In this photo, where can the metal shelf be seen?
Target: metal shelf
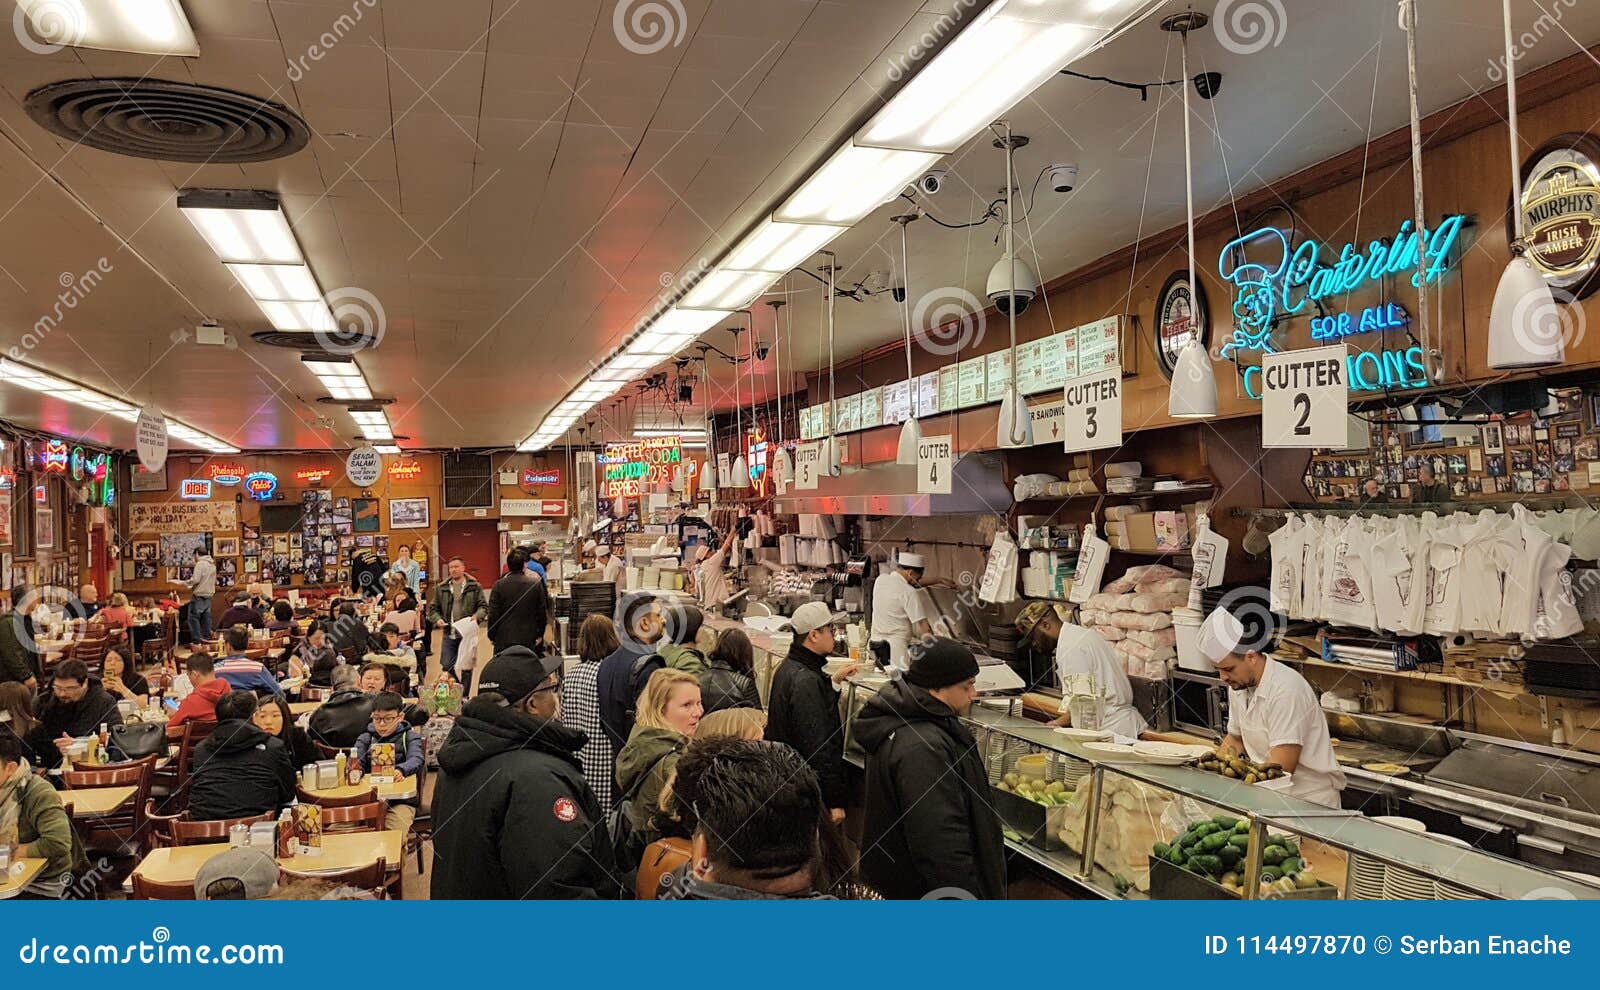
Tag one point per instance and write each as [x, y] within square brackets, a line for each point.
[1534, 504]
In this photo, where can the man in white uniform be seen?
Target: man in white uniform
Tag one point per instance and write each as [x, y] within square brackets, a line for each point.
[612, 566]
[897, 613]
[710, 573]
[1084, 651]
[1273, 713]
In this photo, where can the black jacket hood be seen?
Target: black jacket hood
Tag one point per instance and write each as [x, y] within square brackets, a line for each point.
[487, 728]
[236, 736]
[895, 705]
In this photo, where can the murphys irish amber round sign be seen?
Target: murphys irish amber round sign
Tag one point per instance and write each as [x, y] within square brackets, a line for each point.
[1561, 212]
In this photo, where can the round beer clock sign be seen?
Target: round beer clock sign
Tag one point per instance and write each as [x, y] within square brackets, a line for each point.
[1561, 212]
[1181, 316]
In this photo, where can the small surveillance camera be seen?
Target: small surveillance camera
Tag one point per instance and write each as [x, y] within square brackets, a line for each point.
[1064, 177]
[1208, 84]
[762, 350]
[898, 292]
[931, 183]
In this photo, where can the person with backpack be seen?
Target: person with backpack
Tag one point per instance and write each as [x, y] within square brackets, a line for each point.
[623, 674]
[515, 819]
[669, 711]
[677, 645]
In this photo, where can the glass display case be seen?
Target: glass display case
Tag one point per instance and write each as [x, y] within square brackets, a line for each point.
[1110, 827]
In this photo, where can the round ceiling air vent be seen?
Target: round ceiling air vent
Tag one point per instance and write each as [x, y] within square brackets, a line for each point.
[294, 340]
[168, 121]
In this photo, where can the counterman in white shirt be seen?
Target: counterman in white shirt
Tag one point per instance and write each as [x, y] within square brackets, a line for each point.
[897, 613]
[710, 571]
[1084, 651]
[1273, 713]
[612, 567]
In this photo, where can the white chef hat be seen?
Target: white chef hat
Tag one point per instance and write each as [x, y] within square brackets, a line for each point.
[604, 550]
[589, 546]
[1220, 635]
[702, 552]
[912, 560]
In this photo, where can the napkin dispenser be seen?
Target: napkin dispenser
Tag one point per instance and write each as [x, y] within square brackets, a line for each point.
[328, 774]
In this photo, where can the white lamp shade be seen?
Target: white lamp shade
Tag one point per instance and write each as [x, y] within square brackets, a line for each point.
[1016, 425]
[680, 478]
[708, 476]
[1194, 384]
[831, 457]
[782, 467]
[910, 437]
[1526, 329]
[740, 472]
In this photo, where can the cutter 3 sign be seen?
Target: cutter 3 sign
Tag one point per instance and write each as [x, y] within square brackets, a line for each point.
[633, 468]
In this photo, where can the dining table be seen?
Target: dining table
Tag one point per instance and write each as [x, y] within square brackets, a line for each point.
[340, 851]
[20, 874]
[388, 790]
[97, 802]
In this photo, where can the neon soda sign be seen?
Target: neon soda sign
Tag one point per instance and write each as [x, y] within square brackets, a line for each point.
[630, 468]
[1265, 294]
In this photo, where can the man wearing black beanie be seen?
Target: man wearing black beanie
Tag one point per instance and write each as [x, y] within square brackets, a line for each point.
[930, 830]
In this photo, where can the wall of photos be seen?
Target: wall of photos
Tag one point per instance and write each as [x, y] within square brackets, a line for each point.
[1526, 454]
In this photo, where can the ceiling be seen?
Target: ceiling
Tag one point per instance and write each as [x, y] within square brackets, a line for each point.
[517, 189]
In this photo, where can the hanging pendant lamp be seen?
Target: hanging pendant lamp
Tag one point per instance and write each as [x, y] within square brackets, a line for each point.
[1194, 380]
[911, 430]
[1016, 425]
[741, 467]
[780, 464]
[831, 458]
[1525, 326]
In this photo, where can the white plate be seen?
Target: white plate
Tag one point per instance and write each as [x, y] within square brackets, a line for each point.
[1112, 751]
[1089, 735]
[1396, 821]
[1167, 751]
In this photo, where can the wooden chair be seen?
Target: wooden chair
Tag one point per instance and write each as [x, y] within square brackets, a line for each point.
[325, 751]
[186, 832]
[90, 651]
[158, 827]
[312, 693]
[125, 827]
[351, 655]
[306, 797]
[373, 877]
[155, 650]
[175, 778]
[355, 818]
[156, 890]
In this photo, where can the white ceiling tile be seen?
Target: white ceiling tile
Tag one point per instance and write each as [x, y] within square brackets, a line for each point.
[458, 26]
[435, 82]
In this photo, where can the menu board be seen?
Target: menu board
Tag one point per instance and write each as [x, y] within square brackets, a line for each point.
[896, 403]
[973, 376]
[821, 423]
[949, 388]
[871, 408]
[998, 375]
[1029, 371]
[1097, 346]
[849, 414]
[928, 394]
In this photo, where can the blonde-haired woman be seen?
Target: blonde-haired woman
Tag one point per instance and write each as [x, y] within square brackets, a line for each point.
[669, 712]
[732, 723]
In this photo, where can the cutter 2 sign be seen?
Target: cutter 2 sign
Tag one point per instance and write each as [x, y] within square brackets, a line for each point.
[1305, 398]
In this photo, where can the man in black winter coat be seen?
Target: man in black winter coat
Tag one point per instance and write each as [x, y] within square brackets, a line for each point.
[929, 826]
[76, 707]
[516, 821]
[519, 607]
[803, 704]
[239, 770]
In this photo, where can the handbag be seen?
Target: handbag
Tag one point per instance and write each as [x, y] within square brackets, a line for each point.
[662, 858]
[136, 740]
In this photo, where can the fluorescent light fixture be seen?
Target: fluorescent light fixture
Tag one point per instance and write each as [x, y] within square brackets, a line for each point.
[386, 448]
[284, 315]
[97, 401]
[327, 367]
[291, 282]
[853, 183]
[148, 27]
[242, 226]
[685, 433]
[778, 247]
[347, 388]
[669, 332]
[987, 69]
[626, 366]
[727, 289]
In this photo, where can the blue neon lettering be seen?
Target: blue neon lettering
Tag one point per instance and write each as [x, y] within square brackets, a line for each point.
[1368, 371]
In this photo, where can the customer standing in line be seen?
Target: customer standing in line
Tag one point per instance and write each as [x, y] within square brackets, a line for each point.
[515, 819]
[623, 674]
[669, 711]
[456, 598]
[803, 706]
[580, 705]
[1428, 489]
[729, 678]
[202, 585]
[519, 607]
[930, 828]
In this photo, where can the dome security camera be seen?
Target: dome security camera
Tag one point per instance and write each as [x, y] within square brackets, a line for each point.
[1064, 177]
[1014, 289]
[931, 183]
[762, 350]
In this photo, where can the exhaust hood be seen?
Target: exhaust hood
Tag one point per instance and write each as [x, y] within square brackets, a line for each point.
[977, 484]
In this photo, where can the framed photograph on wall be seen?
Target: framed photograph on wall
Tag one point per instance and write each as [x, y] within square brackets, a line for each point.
[366, 515]
[141, 480]
[44, 528]
[1493, 439]
[408, 513]
[144, 550]
[227, 546]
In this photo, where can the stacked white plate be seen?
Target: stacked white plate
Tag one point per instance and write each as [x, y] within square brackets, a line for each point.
[1366, 879]
[1068, 769]
[1112, 752]
[1168, 754]
[1400, 884]
[1450, 892]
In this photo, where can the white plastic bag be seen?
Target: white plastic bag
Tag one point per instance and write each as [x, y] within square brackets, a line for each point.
[999, 583]
[1210, 553]
[1092, 556]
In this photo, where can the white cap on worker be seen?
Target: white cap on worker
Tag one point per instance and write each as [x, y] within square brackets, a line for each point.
[912, 560]
[810, 616]
[1220, 635]
[589, 546]
[604, 550]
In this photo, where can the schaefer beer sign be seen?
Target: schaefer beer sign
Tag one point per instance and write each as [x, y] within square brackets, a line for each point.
[1561, 213]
